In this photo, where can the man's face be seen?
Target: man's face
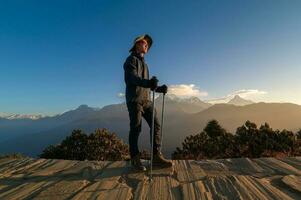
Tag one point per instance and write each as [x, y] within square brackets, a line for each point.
[142, 46]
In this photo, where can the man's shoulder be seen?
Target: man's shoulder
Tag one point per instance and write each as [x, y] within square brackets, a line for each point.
[132, 59]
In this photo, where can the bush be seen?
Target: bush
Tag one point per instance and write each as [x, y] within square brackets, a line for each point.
[249, 141]
[212, 142]
[100, 145]
[13, 155]
[299, 134]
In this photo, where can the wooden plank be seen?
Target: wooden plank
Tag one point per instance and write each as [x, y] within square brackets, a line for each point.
[188, 170]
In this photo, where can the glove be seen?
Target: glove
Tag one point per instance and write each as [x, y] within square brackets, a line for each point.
[162, 89]
[153, 82]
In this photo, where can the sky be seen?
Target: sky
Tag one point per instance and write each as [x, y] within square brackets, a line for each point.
[56, 55]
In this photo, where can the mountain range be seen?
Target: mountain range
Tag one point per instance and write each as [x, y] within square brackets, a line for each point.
[20, 116]
[183, 117]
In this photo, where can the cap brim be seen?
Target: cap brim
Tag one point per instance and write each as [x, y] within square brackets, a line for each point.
[144, 37]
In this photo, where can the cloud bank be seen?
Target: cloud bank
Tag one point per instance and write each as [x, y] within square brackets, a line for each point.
[191, 90]
[184, 90]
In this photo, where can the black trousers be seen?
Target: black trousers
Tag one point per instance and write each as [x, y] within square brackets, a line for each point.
[136, 112]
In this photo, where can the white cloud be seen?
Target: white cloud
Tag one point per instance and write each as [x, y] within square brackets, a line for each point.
[250, 94]
[184, 90]
[121, 95]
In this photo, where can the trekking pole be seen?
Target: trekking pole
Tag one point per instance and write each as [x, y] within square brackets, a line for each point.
[162, 121]
[152, 137]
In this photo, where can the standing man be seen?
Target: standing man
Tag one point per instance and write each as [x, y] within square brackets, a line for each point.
[138, 86]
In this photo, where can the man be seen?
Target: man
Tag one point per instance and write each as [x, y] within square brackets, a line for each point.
[138, 86]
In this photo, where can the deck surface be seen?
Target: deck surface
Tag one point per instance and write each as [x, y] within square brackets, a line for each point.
[241, 178]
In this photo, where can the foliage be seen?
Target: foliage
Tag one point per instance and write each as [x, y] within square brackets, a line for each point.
[100, 145]
[299, 134]
[13, 155]
[249, 141]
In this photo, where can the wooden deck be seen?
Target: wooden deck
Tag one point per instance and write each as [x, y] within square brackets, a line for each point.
[242, 178]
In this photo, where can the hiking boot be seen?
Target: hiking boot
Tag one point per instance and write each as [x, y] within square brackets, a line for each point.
[136, 163]
[160, 161]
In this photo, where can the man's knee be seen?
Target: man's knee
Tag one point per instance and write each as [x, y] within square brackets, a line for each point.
[157, 123]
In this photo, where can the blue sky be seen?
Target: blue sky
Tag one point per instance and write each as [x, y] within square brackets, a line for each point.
[56, 55]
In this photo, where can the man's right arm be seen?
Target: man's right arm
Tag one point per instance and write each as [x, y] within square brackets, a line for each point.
[131, 74]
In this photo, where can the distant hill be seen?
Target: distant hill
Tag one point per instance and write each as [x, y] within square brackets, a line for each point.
[182, 118]
[278, 115]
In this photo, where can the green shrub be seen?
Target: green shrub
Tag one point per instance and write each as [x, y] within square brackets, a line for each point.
[100, 145]
[249, 141]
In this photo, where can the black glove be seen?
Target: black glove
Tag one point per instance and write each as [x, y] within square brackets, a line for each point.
[153, 82]
[162, 89]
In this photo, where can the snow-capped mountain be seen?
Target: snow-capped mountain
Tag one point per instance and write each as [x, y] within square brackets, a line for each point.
[81, 110]
[233, 100]
[238, 101]
[21, 116]
[188, 105]
[194, 100]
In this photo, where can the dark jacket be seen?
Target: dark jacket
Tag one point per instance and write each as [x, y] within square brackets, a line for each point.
[136, 77]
